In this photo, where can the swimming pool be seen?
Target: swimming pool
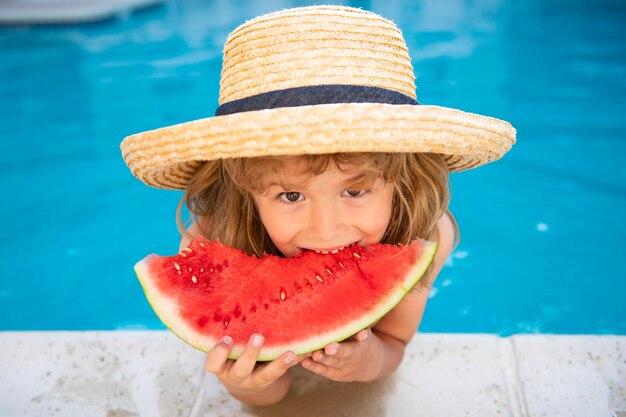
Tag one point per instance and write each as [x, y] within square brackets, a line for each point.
[541, 228]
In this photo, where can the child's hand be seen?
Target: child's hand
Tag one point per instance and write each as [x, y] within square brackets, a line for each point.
[350, 360]
[243, 376]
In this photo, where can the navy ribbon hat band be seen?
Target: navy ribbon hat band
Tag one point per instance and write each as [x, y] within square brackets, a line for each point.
[312, 95]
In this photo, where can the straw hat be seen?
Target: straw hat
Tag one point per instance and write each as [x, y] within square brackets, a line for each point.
[315, 80]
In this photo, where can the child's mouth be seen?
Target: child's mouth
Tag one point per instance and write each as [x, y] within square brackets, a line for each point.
[329, 250]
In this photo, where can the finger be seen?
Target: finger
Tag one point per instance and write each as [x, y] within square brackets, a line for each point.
[244, 365]
[343, 350]
[302, 357]
[318, 368]
[217, 358]
[273, 370]
[334, 354]
[323, 355]
[363, 335]
[317, 355]
[332, 349]
[331, 361]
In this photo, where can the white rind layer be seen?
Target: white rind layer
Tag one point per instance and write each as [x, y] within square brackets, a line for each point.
[166, 311]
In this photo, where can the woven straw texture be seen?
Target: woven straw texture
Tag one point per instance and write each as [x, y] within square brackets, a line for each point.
[315, 46]
[309, 46]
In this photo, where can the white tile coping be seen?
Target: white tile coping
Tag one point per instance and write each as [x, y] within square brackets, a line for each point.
[65, 11]
[153, 373]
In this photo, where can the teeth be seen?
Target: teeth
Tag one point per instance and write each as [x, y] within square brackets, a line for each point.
[323, 252]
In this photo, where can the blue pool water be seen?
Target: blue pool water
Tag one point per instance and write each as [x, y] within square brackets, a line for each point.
[541, 229]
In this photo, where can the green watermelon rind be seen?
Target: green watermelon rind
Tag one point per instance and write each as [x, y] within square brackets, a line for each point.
[166, 311]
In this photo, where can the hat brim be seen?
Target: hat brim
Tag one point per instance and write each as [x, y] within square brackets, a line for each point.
[168, 157]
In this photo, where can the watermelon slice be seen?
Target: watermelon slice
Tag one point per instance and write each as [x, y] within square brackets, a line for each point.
[301, 304]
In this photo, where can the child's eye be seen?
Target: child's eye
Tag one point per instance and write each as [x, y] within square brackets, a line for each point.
[290, 197]
[355, 193]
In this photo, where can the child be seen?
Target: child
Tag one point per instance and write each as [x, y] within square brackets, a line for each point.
[319, 143]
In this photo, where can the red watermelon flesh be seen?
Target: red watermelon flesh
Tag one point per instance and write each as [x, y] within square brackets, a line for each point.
[301, 303]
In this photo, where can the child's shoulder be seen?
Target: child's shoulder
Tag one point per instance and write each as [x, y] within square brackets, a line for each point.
[445, 224]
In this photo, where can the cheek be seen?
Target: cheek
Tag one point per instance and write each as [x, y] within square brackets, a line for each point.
[280, 229]
[377, 224]
[377, 219]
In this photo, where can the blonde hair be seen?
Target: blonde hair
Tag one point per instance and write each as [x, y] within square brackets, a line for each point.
[220, 195]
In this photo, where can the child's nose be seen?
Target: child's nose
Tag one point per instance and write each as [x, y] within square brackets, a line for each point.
[326, 221]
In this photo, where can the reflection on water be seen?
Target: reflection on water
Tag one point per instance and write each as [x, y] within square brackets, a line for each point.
[540, 229]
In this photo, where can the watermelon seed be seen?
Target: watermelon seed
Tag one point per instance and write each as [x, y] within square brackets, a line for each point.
[177, 266]
[341, 264]
[194, 279]
[183, 254]
[201, 244]
[188, 250]
[328, 270]
[201, 269]
[283, 296]
[189, 269]
[319, 278]
[356, 255]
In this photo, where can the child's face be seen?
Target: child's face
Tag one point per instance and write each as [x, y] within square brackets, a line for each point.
[326, 215]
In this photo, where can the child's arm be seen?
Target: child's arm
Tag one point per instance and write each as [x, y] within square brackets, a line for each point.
[374, 354]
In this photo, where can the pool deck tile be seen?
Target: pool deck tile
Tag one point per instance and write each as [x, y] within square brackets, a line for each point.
[153, 373]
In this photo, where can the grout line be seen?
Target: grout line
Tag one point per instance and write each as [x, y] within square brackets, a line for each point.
[514, 384]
